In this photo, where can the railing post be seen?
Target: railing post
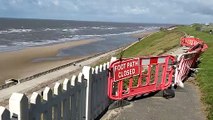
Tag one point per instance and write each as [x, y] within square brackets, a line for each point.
[57, 108]
[82, 96]
[35, 102]
[113, 59]
[4, 114]
[18, 106]
[47, 98]
[67, 109]
[87, 72]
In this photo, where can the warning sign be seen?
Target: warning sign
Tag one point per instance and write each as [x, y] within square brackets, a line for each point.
[126, 68]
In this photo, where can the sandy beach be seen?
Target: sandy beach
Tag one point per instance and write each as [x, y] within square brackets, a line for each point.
[19, 64]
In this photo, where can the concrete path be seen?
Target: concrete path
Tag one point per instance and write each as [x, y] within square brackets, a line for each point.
[186, 105]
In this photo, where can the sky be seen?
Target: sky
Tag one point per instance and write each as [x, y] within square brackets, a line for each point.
[140, 11]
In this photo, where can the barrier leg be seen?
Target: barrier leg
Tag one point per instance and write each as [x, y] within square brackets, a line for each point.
[169, 93]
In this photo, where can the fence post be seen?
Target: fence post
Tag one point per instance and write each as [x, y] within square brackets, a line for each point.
[67, 109]
[57, 108]
[87, 71]
[105, 85]
[4, 114]
[113, 59]
[18, 106]
[82, 96]
[101, 89]
[35, 101]
[108, 63]
[47, 97]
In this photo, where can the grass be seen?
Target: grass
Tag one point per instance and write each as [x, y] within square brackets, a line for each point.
[205, 74]
[155, 44]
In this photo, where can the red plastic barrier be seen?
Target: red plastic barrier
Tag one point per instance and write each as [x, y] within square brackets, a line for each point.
[135, 76]
[193, 43]
[205, 47]
[185, 63]
[190, 41]
[197, 47]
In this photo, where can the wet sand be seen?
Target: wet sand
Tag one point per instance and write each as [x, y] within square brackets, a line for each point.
[18, 64]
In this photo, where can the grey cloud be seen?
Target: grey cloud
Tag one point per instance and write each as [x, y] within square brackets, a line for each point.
[173, 11]
[203, 7]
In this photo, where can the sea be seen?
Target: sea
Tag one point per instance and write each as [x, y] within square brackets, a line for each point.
[16, 34]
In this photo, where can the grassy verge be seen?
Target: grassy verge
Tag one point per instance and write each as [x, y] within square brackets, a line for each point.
[205, 74]
[155, 44]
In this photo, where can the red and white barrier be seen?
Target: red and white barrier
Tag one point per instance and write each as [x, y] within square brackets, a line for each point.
[185, 63]
[136, 76]
[193, 43]
[190, 41]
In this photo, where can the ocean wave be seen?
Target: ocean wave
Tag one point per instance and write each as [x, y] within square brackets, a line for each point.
[70, 30]
[76, 37]
[80, 37]
[104, 28]
[49, 29]
[24, 44]
[15, 31]
[133, 32]
[42, 42]
[3, 46]
[83, 27]
[65, 39]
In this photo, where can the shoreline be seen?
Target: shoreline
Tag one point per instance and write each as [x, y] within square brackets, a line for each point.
[18, 64]
[26, 62]
[39, 83]
[144, 34]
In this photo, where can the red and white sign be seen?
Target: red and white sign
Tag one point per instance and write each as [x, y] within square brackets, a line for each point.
[126, 68]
